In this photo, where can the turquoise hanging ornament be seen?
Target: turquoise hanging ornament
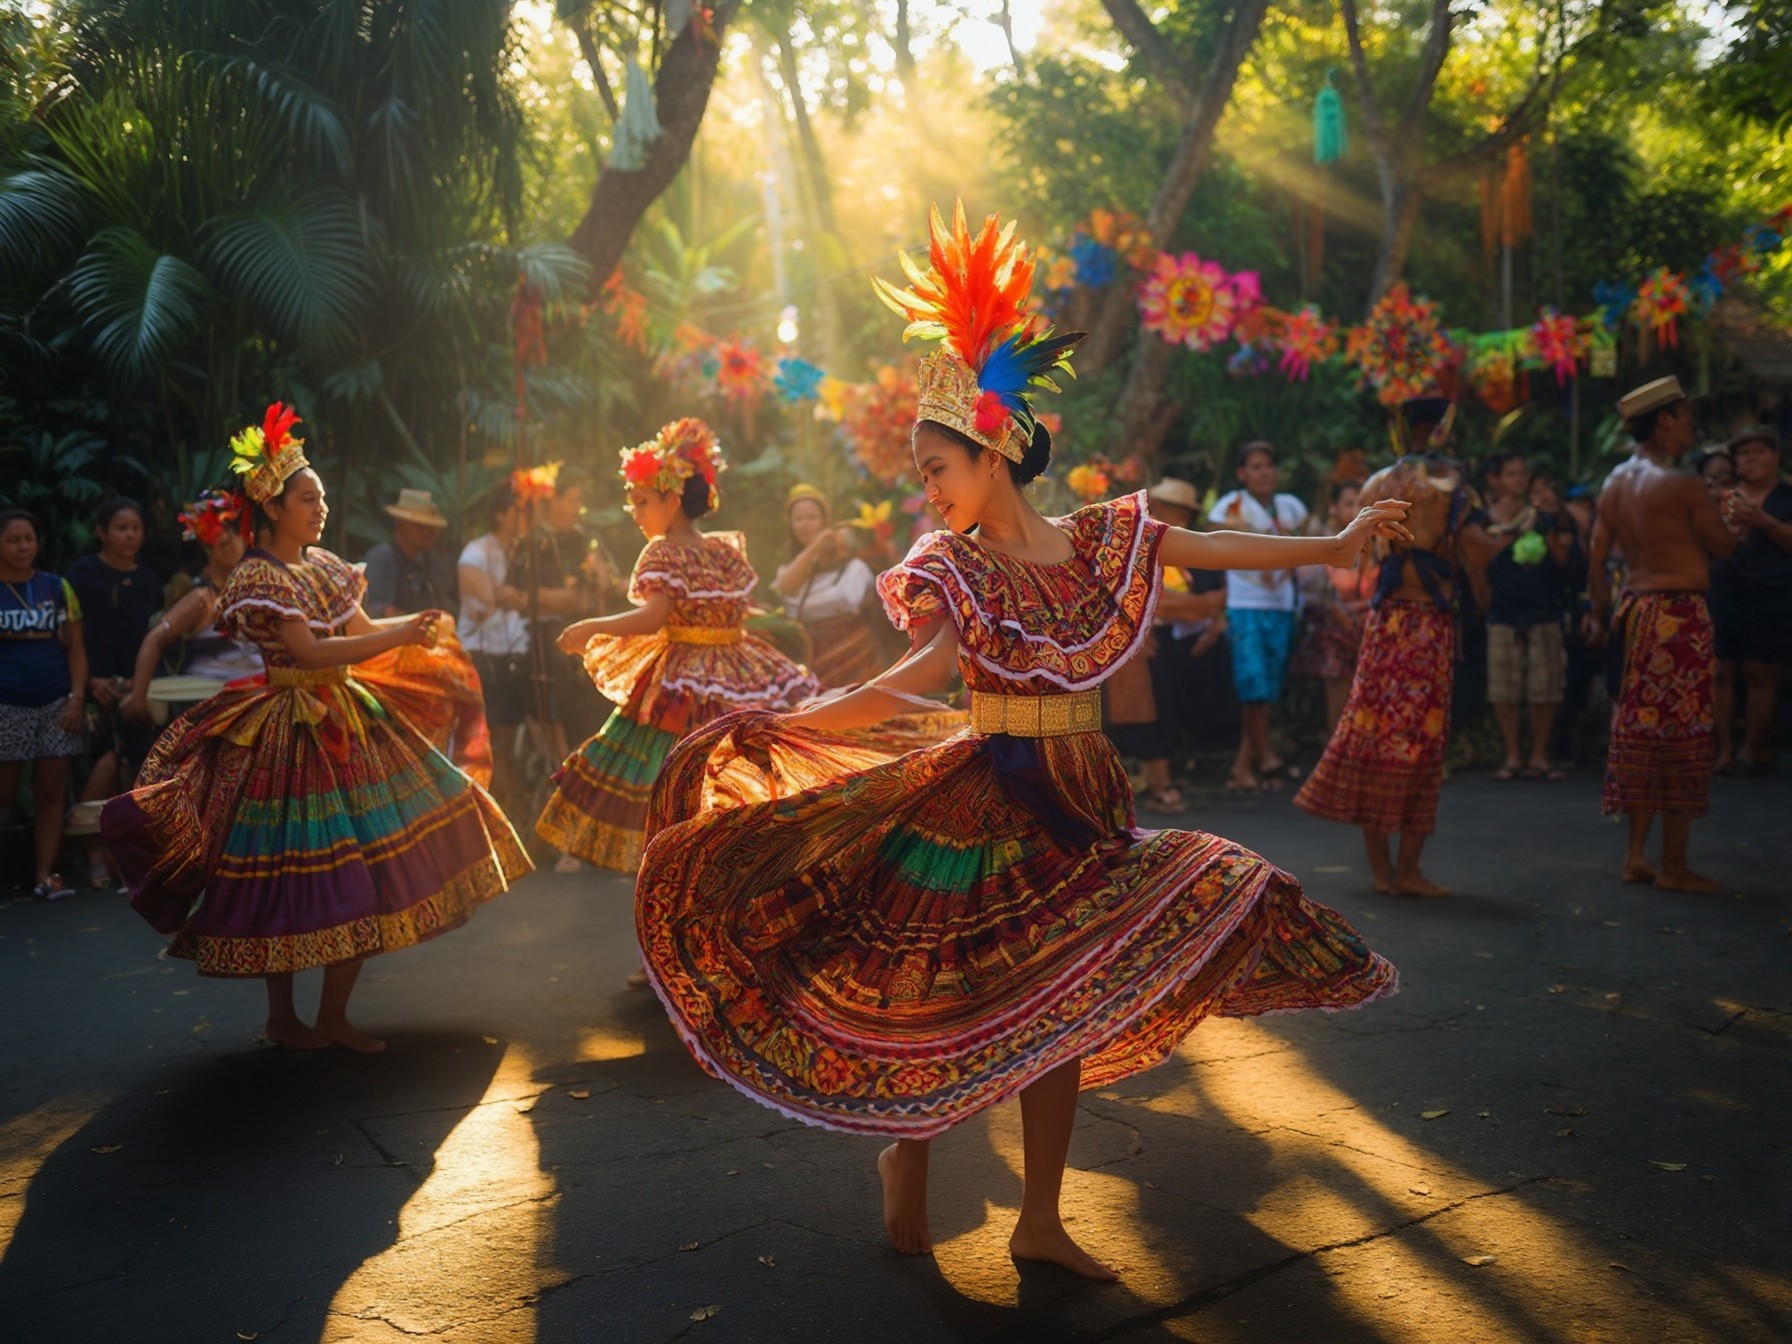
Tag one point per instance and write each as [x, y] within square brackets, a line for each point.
[1330, 138]
[639, 125]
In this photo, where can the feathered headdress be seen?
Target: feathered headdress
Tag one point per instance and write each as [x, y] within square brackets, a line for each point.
[207, 519]
[683, 449]
[973, 301]
[266, 455]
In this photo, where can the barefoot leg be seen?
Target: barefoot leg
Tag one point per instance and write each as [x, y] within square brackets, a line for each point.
[1636, 868]
[903, 1167]
[332, 1010]
[1675, 875]
[1409, 879]
[283, 1027]
[1047, 1114]
[1381, 866]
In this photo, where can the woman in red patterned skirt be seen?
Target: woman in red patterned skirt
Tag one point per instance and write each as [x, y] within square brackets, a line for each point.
[889, 950]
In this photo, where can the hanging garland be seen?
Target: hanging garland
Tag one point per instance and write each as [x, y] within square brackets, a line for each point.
[1307, 338]
[1189, 301]
[1661, 302]
[1399, 347]
[1559, 345]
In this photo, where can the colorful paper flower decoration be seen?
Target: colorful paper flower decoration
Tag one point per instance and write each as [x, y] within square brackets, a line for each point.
[1055, 271]
[1661, 301]
[534, 484]
[1557, 341]
[830, 399]
[1493, 366]
[1614, 298]
[879, 416]
[1188, 301]
[740, 372]
[1400, 348]
[207, 519]
[1091, 480]
[1096, 263]
[1125, 234]
[1307, 338]
[876, 520]
[1248, 361]
[629, 308]
[797, 380]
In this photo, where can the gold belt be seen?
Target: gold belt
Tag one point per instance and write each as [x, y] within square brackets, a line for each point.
[1036, 715]
[307, 676]
[703, 634]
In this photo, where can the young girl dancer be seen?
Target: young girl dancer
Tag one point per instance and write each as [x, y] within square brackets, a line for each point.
[892, 951]
[298, 822]
[679, 659]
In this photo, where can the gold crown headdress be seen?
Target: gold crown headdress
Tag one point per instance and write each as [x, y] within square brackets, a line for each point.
[681, 450]
[267, 455]
[973, 301]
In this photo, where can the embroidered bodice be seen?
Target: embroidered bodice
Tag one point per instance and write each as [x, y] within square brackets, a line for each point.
[1030, 628]
[710, 585]
[322, 590]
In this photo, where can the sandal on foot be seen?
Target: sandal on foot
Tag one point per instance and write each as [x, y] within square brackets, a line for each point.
[1506, 774]
[53, 890]
[1162, 800]
[1237, 785]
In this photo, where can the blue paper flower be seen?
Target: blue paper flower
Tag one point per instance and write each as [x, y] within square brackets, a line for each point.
[797, 380]
[1706, 288]
[1096, 263]
[1615, 297]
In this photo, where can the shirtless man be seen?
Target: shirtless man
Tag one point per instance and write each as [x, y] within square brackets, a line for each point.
[1383, 768]
[1669, 530]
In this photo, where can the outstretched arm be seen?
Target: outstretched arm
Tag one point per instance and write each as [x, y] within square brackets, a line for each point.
[183, 619]
[931, 666]
[646, 619]
[1253, 550]
[314, 653]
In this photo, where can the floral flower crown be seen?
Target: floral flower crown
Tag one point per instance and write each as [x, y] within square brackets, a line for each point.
[683, 449]
[268, 454]
[208, 518]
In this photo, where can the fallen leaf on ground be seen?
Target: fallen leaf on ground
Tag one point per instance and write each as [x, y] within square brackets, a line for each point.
[1613, 997]
[1433, 1115]
[1617, 1264]
[524, 1107]
[767, 1261]
[338, 1161]
[1566, 1110]
[1612, 923]
[489, 1040]
[580, 1094]
[704, 1313]
[1479, 1260]
[248, 1336]
[690, 1246]
[1563, 1133]
[201, 1027]
[1485, 1115]
[1668, 1166]
[104, 1148]
[735, 1172]
[1419, 1189]
[1556, 989]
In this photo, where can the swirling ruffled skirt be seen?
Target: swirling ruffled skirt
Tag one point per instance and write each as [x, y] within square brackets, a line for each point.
[886, 947]
[277, 828]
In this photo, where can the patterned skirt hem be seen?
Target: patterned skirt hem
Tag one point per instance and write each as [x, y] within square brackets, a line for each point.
[1656, 778]
[1374, 795]
[596, 842]
[446, 910]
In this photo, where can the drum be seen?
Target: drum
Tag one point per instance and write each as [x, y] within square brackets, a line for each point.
[169, 695]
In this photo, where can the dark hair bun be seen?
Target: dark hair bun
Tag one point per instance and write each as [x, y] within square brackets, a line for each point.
[1037, 457]
[694, 499]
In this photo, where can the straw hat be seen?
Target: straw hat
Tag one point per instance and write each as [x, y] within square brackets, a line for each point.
[803, 490]
[1650, 397]
[416, 506]
[1179, 493]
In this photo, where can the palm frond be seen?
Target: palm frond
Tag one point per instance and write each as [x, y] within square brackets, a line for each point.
[299, 263]
[137, 304]
[42, 219]
[307, 115]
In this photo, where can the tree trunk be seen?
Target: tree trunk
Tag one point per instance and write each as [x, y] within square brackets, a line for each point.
[814, 165]
[905, 58]
[1144, 413]
[1400, 215]
[1193, 150]
[620, 199]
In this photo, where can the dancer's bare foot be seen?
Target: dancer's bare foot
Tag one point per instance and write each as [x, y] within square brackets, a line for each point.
[1053, 1244]
[294, 1035]
[349, 1036]
[637, 979]
[1686, 880]
[568, 863]
[1417, 884]
[905, 1202]
[1382, 883]
[1637, 870]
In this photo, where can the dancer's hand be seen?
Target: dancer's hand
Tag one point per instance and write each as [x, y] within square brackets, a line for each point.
[575, 637]
[421, 629]
[1385, 519]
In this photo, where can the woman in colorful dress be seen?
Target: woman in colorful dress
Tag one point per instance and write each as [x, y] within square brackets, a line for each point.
[825, 586]
[679, 659]
[298, 822]
[892, 950]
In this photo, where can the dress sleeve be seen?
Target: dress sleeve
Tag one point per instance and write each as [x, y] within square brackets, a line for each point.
[919, 590]
[655, 572]
[257, 598]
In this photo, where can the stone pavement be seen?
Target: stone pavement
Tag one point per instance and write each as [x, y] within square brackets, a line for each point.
[1571, 1125]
